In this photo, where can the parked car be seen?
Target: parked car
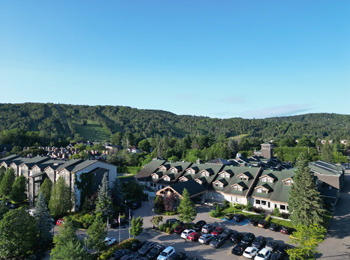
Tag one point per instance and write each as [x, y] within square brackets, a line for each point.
[285, 230]
[60, 222]
[178, 256]
[254, 221]
[259, 242]
[280, 252]
[236, 237]
[136, 205]
[155, 251]
[207, 228]
[110, 241]
[120, 253]
[250, 252]
[127, 257]
[137, 245]
[262, 223]
[217, 241]
[238, 217]
[186, 233]
[166, 253]
[229, 216]
[263, 254]
[248, 239]
[194, 236]
[238, 249]
[180, 228]
[273, 227]
[205, 238]
[146, 248]
[217, 231]
[198, 226]
[172, 221]
[271, 245]
[227, 233]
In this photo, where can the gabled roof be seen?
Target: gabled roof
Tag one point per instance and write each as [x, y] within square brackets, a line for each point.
[149, 168]
[270, 176]
[219, 161]
[324, 168]
[193, 188]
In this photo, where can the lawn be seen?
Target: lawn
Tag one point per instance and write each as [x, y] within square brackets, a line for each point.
[92, 131]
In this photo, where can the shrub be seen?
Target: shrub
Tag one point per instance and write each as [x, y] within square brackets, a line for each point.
[170, 213]
[218, 209]
[277, 212]
[88, 220]
[214, 214]
[249, 206]
[258, 210]
[168, 230]
[225, 204]
[126, 244]
[175, 225]
[285, 215]
[163, 227]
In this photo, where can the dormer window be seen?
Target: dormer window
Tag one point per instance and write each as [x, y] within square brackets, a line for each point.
[263, 189]
[205, 173]
[218, 184]
[166, 178]
[199, 181]
[191, 171]
[237, 187]
[243, 177]
[163, 168]
[183, 179]
[174, 170]
[155, 176]
[287, 182]
[225, 175]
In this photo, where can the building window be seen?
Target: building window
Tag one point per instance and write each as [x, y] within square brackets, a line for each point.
[283, 207]
[263, 202]
[257, 202]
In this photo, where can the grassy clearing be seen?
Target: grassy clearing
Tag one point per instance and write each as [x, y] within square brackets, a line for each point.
[92, 131]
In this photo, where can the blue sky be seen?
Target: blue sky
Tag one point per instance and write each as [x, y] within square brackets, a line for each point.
[250, 59]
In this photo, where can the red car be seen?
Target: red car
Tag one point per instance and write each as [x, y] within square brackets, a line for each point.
[60, 222]
[194, 236]
[285, 230]
[217, 231]
[179, 229]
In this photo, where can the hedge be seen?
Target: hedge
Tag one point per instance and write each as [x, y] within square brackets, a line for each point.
[126, 244]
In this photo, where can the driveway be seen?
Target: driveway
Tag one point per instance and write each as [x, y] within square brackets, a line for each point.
[337, 243]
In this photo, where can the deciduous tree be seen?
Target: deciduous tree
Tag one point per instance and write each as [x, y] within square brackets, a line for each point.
[18, 233]
[136, 226]
[62, 198]
[96, 234]
[307, 239]
[46, 188]
[7, 182]
[19, 187]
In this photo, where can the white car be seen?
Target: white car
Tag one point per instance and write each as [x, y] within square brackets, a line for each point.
[110, 241]
[186, 233]
[250, 252]
[263, 254]
[166, 253]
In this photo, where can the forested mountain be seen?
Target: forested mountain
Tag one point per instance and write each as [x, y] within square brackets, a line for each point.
[57, 122]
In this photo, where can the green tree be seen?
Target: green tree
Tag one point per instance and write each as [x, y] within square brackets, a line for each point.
[104, 200]
[18, 233]
[156, 220]
[43, 220]
[136, 226]
[144, 145]
[46, 188]
[305, 203]
[117, 138]
[186, 209]
[2, 173]
[7, 182]
[16, 149]
[62, 198]
[327, 154]
[19, 187]
[307, 239]
[67, 244]
[96, 234]
[117, 193]
[3, 208]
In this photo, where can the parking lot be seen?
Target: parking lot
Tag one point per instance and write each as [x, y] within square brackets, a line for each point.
[195, 248]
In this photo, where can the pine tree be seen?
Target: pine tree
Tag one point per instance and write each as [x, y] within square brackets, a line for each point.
[17, 233]
[186, 209]
[305, 203]
[96, 234]
[62, 198]
[7, 182]
[2, 172]
[104, 200]
[67, 244]
[117, 194]
[46, 188]
[43, 220]
[19, 187]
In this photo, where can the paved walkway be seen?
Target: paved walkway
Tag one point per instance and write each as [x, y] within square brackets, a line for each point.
[337, 243]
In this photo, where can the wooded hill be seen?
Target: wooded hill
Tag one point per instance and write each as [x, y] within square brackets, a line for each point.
[97, 123]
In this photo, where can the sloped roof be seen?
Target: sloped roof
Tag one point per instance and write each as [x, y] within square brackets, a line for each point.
[149, 168]
[326, 168]
[192, 187]
[219, 161]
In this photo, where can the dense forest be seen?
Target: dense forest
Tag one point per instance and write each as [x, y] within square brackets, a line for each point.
[52, 123]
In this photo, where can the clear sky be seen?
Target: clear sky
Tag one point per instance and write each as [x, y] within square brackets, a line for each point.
[227, 58]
